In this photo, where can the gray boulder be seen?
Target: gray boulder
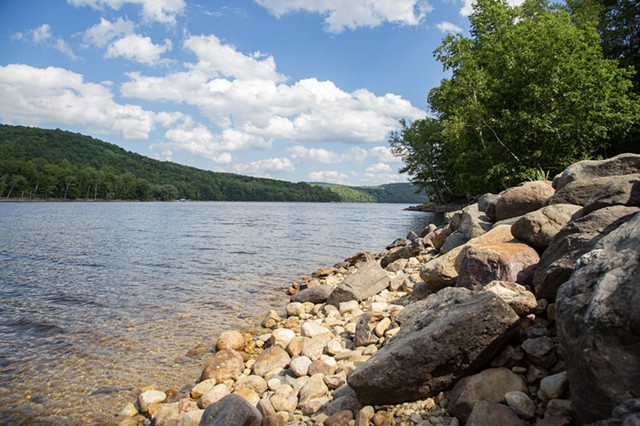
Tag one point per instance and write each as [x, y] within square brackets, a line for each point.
[367, 281]
[473, 222]
[618, 191]
[599, 324]
[539, 227]
[487, 204]
[577, 238]
[231, 410]
[457, 333]
[491, 414]
[316, 294]
[625, 414]
[622, 164]
[454, 240]
[522, 199]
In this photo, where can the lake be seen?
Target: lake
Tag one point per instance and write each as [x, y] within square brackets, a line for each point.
[99, 299]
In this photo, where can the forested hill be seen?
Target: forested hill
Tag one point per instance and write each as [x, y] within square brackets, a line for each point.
[43, 164]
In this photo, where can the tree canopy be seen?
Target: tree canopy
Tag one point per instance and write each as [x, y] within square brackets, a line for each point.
[529, 93]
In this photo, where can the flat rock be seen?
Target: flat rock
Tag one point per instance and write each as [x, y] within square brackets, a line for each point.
[311, 329]
[539, 227]
[223, 366]
[622, 164]
[522, 199]
[316, 294]
[598, 323]
[370, 279]
[458, 331]
[489, 385]
[231, 410]
[273, 358]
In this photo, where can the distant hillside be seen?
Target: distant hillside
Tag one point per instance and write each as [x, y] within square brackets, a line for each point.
[389, 193]
[39, 163]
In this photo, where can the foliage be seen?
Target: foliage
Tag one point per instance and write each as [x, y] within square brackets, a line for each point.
[529, 93]
[39, 163]
[390, 193]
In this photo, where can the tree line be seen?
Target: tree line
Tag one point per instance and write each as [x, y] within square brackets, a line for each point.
[534, 89]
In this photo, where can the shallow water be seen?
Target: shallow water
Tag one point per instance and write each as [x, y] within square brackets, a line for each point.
[99, 299]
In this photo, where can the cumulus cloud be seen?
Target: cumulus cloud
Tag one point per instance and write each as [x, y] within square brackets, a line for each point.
[43, 37]
[448, 27]
[266, 167]
[139, 49]
[341, 15]
[384, 154]
[382, 173]
[328, 176]
[162, 11]
[325, 156]
[36, 96]
[106, 31]
[468, 5]
[246, 93]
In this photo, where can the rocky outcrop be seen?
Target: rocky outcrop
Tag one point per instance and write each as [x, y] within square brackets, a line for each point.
[622, 164]
[599, 323]
[439, 347]
[369, 280]
[520, 200]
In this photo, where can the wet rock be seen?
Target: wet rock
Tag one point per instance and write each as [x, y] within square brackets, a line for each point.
[522, 301]
[273, 358]
[482, 264]
[223, 366]
[539, 227]
[145, 399]
[231, 410]
[598, 323]
[317, 294]
[367, 281]
[520, 200]
[441, 345]
[622, 164]
[128, 411]
[230, 340]
[491, 414]
[521, 404]
[489, 385]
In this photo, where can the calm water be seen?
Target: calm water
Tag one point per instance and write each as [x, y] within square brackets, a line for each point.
[99, 299]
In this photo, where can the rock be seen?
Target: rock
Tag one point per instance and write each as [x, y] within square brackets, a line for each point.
[618, 191]
[281, 337]
[521, 404]
[622, 164]
[382, 327]
[273, 420]
[413, 249]
[273, 358]
[314, 347]
[555, 421]
[365, 415]
[454, 240]
[441, 345]
[540, 351]
[312, 329]
[231, 410]
[421, 290]
[491, 414]
[255, 383]
[539, 227]
[348, 306]
[281, 403]
[577, 238]
[295, 309]
[266, 408]
[347, 402]
[317, 294]
[129, 410]
[190, 418]
[213, 395]
[230, 340]
[271, 319]
[522, 301]
[482, 264]
[397, 266]
[441, 272]
[489, 385]
[367, 281]
[365, 328]
[322, 367]
[145, 399]
[202, 387]
[300, 365]
[598, 322]
[437, 237]
[487, 204]
[553, 387]
[249, 395]
[334, 347]
[223, 366]
[473, 222]
[313, 395]
[559, 408]
[522, 199]
[341, 418]
[295, 346]
[626, 414]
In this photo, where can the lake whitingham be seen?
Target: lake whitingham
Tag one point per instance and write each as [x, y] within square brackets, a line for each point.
[100, 299]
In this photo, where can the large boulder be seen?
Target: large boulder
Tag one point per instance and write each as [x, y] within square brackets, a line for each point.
[622, 164]
[599, 324]
[491, 414]
[600, 192]
[231, 410]
[223, 366]
[367, 281]
[458, 332]
[577, 238]
[487, 204]
[316, 294]
[484, 263]
[539, 227]
[474, 222]
[522, 199]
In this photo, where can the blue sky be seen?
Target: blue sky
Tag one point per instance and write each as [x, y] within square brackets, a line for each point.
[300, 90]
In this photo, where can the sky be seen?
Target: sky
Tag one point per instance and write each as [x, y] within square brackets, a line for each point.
[298, 90]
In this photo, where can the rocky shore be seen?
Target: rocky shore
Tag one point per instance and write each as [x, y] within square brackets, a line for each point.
[521, 310]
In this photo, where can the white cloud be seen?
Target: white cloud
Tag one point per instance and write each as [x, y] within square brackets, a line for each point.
[468, 5]
[138, 48]
[247, 94]
[341, 14]
[384, 154]
[103, 33]
[380, 173]
[265, 167]
[36, 96]
[41, 34]
[162, 11]
[324, 156]
[43, 37]
[448, 27]
[328, 176]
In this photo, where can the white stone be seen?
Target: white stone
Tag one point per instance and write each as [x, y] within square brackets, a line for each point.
[311, 329]
[128, 411]
[349, 306]
[334, 347]
[214, 394]
[202, 387]
[282, 337]
[150, 397]
[190, 418]
[300, 365]
[379, 306]
[382, 327]
[281, 403]
[295, 309]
